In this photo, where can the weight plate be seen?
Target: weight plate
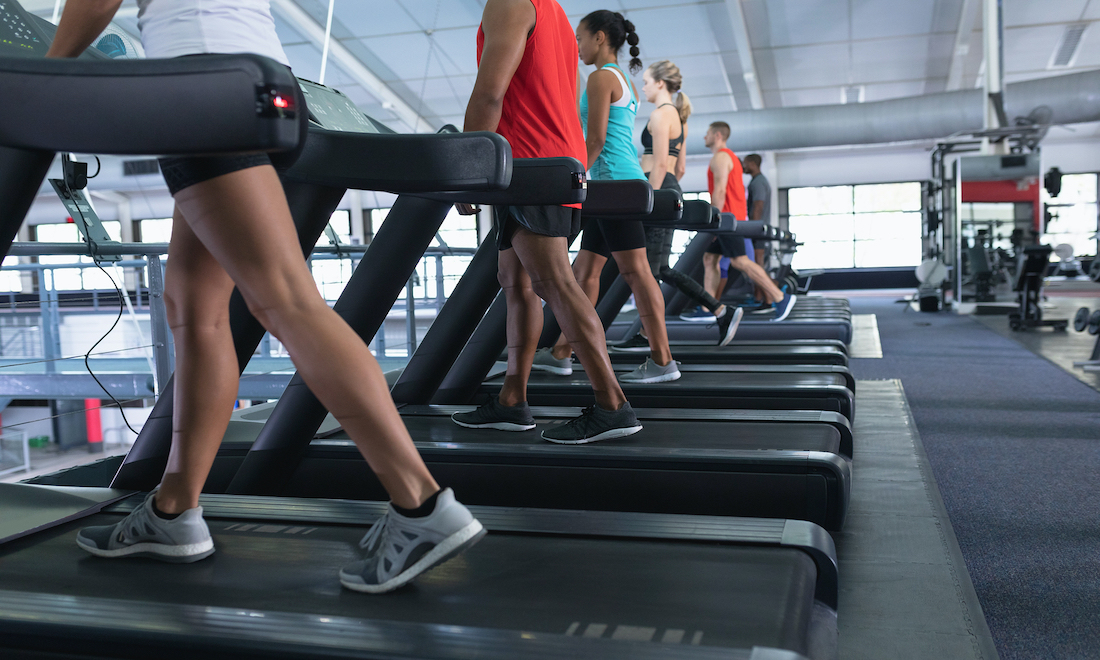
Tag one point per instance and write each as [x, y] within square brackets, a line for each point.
[1094, 323]
[1081, 319]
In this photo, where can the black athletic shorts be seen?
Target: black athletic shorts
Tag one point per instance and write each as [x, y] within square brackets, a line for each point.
[730, 246]
[606, 236]
[545, 220]
[658, 240]
[759, 244]
[180, 173]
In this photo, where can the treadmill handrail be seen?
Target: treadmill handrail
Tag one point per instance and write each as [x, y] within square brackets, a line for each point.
[205, 104]
[666, 206]
[535, 182]
[405, 163]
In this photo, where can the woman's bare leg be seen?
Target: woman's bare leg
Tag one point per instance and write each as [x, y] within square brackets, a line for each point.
[243, 220]
[196, 294]
[712, 274]
[634, 268]
[759, 277]
[586, 268]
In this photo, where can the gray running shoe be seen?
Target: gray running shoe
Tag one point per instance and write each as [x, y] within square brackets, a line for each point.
[651, 372]
[595, 424]
[728, 323]
[400, 548]
[493, 415]
[545, 361]
[181, 540]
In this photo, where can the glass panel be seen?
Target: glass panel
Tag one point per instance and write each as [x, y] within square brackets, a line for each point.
[824, 254]
[1076, 189]
[156, 231]
[820, 201]
[887, 197]
[888, 252]
[888, 225]
[459, 231]
[10, 280]
[810, 228]
[989, 211]
[341, 224]
[1075, 225]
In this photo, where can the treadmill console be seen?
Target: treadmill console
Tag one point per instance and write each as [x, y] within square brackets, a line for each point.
[333, 110]
[20, 36]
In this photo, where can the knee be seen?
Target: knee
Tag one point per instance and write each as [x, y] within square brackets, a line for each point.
[742, 263]
[710, 259]
[186, 307]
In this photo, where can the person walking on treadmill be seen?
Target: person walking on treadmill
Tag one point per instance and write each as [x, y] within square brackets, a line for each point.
[727, 192]
[758, 203]
[526, 90]
[608, 108]
[664, 159]
[232, 226]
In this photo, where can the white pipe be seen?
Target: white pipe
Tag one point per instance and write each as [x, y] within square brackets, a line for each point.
[328, 40]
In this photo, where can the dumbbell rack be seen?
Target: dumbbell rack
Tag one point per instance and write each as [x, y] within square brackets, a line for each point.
[1085, 321]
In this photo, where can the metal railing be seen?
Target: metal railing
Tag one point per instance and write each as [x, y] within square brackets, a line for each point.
[30, 324]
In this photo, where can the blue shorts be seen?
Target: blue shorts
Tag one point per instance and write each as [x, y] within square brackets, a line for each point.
[724, 266]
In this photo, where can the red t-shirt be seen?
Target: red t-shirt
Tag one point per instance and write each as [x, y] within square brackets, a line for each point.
[539, 114]
[735, 189]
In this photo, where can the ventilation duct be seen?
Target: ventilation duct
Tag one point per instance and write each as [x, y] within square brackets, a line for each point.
[1066, 51]
[1072, 99]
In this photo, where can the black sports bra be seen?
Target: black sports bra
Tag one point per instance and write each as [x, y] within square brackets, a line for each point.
[673, 145]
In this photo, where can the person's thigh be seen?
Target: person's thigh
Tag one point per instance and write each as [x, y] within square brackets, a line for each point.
[731, 246]
[588, 265]
[593, 240]
[243, 220]
[196, 287]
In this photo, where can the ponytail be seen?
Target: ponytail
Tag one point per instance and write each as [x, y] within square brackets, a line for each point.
[683, 106]
[619, 31]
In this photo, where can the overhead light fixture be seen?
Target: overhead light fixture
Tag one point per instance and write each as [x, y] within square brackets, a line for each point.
[1065, 53]
[852, 94]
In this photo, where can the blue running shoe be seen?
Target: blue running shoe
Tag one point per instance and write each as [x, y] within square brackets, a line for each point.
[698, 315]
[783, 307]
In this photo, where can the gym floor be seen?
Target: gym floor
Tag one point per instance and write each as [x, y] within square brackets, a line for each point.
[1013, 440]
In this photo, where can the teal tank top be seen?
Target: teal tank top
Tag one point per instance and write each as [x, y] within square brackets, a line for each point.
[619, 158]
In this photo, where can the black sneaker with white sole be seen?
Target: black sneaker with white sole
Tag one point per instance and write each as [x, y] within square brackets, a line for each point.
[636, 344]
[595, 424]
[728, 323]
[493, 415]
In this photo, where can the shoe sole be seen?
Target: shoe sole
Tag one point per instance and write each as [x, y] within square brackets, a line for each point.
[732, 330]
[789, 308]
[499, 426]
[175, 554]
[699, 319]
[448, 548]
[557, 371]
[663, 378]
[606, 435]
[630, 349]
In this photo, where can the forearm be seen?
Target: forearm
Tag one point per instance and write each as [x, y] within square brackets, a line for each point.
[595, 148]
[758, 211]
[718, 199]
[482, 114]
[81, 22]
[657, 174]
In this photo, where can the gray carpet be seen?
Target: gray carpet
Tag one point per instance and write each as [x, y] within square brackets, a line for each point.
[1014, 443]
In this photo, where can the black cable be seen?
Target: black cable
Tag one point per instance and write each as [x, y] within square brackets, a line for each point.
[98, 167]
[95, 259]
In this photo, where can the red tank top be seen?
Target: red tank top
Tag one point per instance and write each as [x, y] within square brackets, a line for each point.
[735, 189]
[539, 114]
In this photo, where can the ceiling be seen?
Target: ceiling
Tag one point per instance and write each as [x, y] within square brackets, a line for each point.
[411, 63]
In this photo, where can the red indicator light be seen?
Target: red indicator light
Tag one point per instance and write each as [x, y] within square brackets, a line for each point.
[280, 102]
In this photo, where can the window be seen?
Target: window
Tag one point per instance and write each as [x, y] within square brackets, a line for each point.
[861, 226]
[1073, 214]
[75, 279]
[158, 230]
[11, 280]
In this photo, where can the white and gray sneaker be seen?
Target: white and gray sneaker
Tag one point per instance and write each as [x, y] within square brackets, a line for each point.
[181, 540]
[545, 361]
[399, 548]
[651, 372]
[595, 424]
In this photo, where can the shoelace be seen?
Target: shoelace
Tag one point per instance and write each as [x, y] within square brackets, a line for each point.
[375, 532]
[581, 424]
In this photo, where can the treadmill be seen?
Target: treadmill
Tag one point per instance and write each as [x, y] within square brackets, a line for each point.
[743, 588]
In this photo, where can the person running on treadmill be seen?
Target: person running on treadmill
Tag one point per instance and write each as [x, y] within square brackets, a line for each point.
[526, 90]
[232, 226]
[608, 108]
[665, 160]
[727, 192]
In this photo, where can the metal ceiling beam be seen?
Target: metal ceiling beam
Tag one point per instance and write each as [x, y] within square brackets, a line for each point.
[744, 52]
[352, 65]
[967, 16]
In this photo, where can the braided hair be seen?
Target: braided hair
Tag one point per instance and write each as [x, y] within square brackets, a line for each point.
[619, 31]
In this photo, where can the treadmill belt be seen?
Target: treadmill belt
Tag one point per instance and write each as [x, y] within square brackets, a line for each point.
[660, 591]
